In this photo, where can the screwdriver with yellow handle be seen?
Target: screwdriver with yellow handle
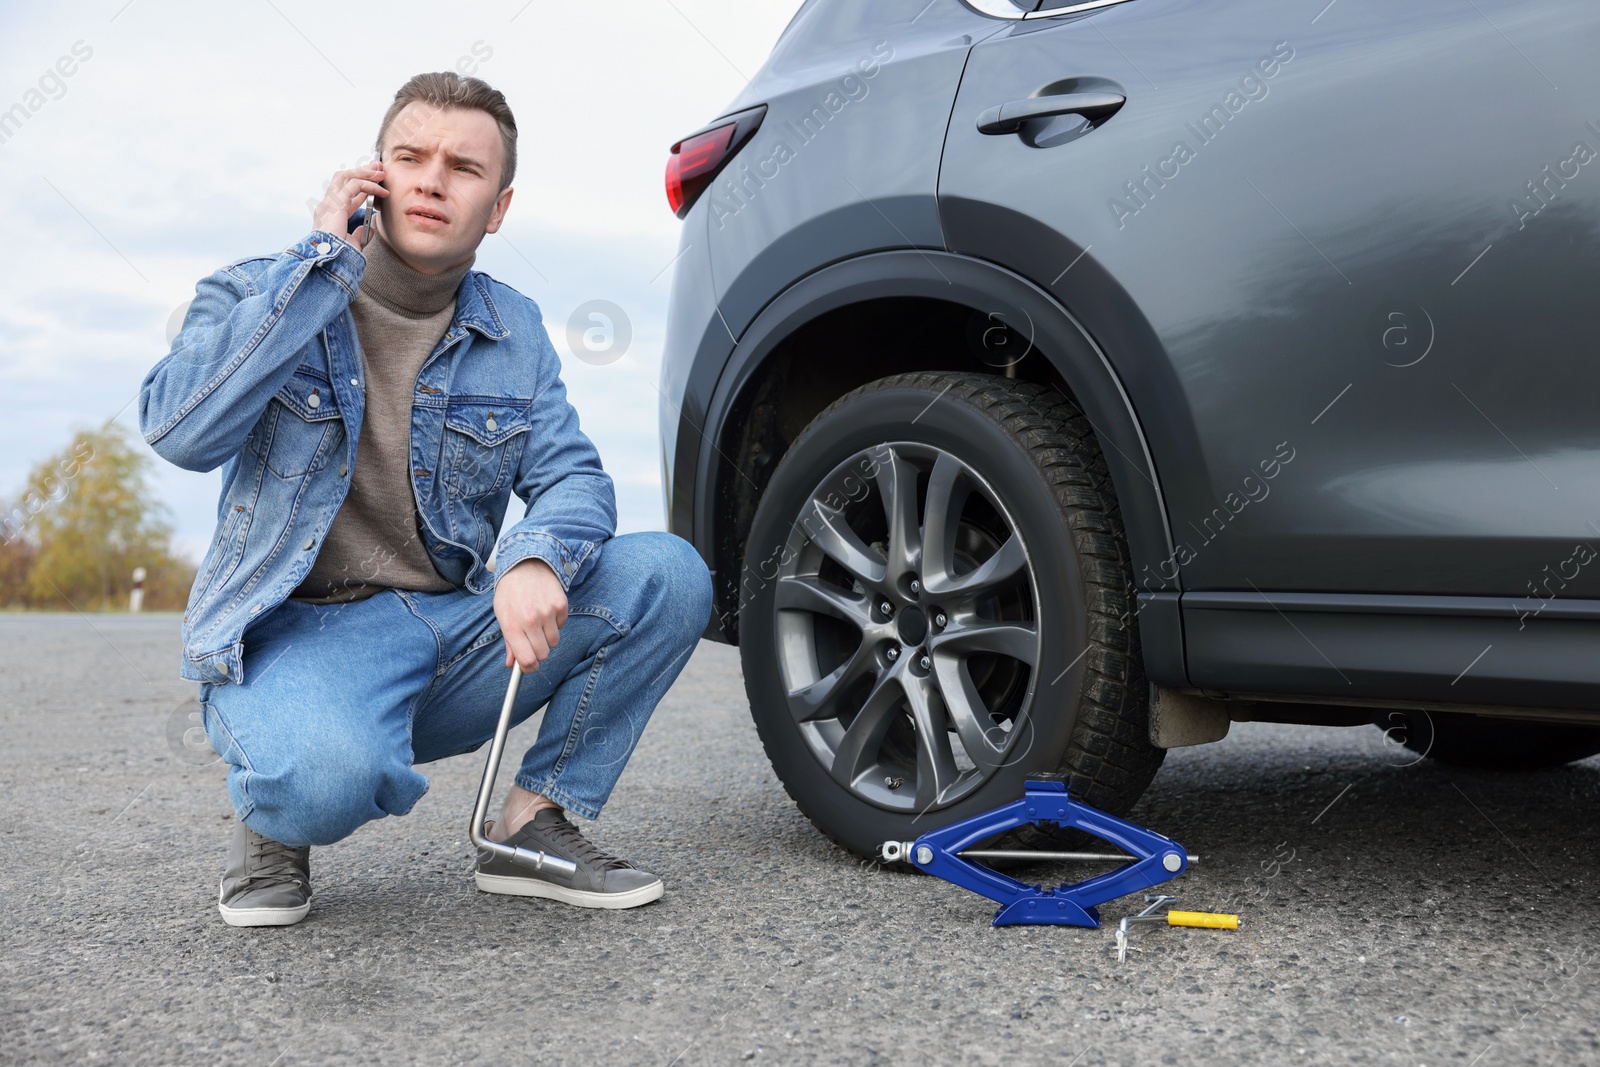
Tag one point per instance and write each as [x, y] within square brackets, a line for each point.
[1206, 920]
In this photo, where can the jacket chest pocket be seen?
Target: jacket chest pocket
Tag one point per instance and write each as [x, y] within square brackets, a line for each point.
[302, 426]
[483, 442]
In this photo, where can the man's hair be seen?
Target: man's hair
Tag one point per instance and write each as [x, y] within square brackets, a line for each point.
[447, 89]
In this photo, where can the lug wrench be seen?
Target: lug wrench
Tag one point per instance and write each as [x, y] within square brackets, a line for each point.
[1205, 920]
[534, 858]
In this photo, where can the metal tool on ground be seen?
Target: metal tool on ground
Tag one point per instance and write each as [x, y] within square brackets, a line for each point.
[1207, 920]
[527, 857]
[948, 853]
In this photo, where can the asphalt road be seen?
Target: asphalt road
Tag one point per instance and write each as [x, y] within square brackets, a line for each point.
[1393, 913]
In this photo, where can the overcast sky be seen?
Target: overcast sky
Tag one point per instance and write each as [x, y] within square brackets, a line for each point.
[190, 135]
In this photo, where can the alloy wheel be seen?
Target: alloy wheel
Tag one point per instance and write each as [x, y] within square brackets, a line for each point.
[906, 630]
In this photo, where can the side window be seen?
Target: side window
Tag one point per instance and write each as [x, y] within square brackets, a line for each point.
[1002, 9]
[1066, 7]
[1033, 9]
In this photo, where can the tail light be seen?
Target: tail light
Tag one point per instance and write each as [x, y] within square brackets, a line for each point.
[696, 160]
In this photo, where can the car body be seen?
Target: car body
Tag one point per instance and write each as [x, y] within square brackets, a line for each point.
[1320, 283]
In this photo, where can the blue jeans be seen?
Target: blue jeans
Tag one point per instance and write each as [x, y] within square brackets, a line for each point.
[340, 700]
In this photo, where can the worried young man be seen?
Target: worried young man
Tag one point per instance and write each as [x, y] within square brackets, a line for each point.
[373, 402]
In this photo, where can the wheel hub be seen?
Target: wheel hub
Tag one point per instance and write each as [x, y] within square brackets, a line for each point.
[912, 623]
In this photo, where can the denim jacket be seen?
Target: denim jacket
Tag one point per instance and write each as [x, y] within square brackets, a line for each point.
[264, 380]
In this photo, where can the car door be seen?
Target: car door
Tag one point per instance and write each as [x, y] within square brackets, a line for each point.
[1341, 255]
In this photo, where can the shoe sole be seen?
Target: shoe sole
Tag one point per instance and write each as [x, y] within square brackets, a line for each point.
[261, 916]
[510, 885]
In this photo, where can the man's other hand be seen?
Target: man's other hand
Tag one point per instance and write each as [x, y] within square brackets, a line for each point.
[531, 606]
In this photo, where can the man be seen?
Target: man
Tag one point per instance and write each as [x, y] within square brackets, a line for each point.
[373, 402]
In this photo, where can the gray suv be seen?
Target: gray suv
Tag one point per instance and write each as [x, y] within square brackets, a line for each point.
[1050, 384]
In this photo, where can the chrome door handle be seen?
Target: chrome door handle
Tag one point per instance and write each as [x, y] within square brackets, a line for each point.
[1008, 118]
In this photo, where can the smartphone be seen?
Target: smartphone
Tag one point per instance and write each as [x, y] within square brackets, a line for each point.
[365, 216]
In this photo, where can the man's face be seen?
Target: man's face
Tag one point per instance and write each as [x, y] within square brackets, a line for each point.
[442, 170]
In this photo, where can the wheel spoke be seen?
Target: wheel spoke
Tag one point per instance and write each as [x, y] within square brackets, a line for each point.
[946, 497]
[936, 766]
[807, 593]
[980, 735]
[828, 530]
[858, 748]
[818, 700]
[1007, 565]
[897, 484]
[1015, 639]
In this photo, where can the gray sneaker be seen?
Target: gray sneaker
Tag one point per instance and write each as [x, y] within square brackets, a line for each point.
[266, 883]
[602, 881]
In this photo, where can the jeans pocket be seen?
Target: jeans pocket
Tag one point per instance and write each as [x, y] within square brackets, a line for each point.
[217, 732]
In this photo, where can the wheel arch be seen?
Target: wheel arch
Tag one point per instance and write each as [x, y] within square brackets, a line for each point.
[913, 310]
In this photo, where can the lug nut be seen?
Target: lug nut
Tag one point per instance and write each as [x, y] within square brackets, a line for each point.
[886, 607]
[916, 586]
[939, 619]
[925, 663]
[893, 653]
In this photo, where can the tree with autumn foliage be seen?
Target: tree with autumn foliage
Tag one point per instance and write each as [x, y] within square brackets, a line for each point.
[83, 522]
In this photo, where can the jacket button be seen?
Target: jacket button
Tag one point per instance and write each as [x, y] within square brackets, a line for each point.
[567, 568]
[255, 609]
[310, 541]
[313, 401]
[222, 667]
[344, 468]
[324, 247]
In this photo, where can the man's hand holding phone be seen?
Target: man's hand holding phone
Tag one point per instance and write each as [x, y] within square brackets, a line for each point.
[348, 190]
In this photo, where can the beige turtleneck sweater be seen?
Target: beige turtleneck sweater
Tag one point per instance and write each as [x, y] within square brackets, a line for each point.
[375, 541]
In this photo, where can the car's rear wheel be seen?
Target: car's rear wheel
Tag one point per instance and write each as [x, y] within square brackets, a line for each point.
[937, 600]
[1491, 744]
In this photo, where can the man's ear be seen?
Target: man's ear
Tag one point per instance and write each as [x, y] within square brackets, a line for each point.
[501, 203]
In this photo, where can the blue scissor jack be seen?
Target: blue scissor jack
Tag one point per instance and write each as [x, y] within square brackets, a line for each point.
[947, 853]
